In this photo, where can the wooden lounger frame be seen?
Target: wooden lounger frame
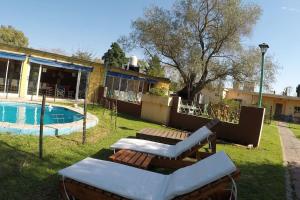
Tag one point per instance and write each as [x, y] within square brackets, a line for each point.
[217, 190]
[168, 136]
[174, 163]
[178, 162]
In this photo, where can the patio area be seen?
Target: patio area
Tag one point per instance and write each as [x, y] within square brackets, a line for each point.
[24, 176]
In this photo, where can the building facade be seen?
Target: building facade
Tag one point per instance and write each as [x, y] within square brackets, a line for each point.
[281, 107]
[26, 73]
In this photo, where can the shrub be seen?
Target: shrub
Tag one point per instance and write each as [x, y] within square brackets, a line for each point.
[158, 91]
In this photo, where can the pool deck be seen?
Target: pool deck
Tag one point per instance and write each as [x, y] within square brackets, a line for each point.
[49, 129]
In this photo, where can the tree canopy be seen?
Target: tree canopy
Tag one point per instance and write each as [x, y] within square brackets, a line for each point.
[298, 90]
[83, 55]
[249, 63]
[115, 56]
[10, 35]
[199, 38]
[155, 68]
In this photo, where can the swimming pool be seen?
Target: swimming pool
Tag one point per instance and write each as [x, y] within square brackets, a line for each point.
[26, 113]
[24, 118]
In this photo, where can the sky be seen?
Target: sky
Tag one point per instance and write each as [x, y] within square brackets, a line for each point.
[93, 25]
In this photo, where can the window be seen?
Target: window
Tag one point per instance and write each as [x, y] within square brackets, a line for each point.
[82, 84]
[9, 79]
[33, 79]
[3, 65]
[296, 109]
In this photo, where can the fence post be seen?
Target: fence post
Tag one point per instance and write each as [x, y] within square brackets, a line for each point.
[42, 126]
[55, 90]
[94, 97]
[85, 109]
[84, 121]
[271, 111]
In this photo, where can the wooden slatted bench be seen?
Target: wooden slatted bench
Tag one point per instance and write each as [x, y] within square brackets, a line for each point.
[132, 158]
[144, 160]
[163, 136]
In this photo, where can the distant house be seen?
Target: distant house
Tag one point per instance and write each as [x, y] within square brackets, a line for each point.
[283, 107]
[212, 95]
[128, 85]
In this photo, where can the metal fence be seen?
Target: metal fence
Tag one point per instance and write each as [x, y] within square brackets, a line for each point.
[268, 115]
[222, 111]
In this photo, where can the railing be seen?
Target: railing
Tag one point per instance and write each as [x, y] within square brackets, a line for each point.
[223, 112]
[128, 96]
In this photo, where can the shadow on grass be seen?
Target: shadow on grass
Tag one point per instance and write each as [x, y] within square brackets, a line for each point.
[61, 137]
[261, 181]
[103, 154]
[126, 128]
[24, 176]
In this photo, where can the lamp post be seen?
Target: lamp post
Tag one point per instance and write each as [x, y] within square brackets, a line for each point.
[263, 47]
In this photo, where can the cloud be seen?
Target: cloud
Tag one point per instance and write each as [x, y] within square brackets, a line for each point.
[294, 10]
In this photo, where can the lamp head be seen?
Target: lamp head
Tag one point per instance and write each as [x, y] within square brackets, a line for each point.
[263, 47]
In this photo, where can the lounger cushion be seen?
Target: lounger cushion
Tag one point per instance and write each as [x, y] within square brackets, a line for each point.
[145, 146]
[160, 149]
[206, 171]
[123, 180]
[134, 183]
[198, 136]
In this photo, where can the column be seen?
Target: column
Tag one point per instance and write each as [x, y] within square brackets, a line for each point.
[77, 85]
[24, 78]
[38, 81]
[5, 81]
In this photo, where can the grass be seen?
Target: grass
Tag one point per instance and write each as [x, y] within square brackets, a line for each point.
[24, 176]
[295, 128]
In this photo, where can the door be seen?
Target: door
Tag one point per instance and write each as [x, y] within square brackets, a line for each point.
[278, 109]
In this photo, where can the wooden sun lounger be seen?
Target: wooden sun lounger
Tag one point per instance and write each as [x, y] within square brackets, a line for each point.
[168, 136]
[218, 190]
[144, 160]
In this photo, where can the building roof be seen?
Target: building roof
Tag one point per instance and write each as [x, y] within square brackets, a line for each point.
[266, 94]
[133, 73]
[69, 59]
[44, 54]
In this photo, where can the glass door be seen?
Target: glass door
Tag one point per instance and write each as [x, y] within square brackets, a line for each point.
[33, 79]
[13, 76]
[3, 66]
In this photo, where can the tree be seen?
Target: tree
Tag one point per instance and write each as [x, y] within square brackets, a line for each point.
[155, 69]
[249, 61]
[298, 90]
[287, 91]
[143, 66]
[199, 38]
[83, 55]
[55, 50]
[115, 56]
[10, 35]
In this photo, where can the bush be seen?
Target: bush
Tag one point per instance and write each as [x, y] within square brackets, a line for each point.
[158, 91]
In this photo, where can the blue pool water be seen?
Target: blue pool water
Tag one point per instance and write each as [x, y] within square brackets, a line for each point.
[26, 113]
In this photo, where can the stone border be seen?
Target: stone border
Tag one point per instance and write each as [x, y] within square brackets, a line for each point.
[288, 183]
[50, 129]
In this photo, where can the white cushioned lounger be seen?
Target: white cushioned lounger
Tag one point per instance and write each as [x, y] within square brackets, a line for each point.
[160, 149]
[138, 184]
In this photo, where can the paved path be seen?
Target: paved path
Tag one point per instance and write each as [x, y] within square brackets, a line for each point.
[291, 153]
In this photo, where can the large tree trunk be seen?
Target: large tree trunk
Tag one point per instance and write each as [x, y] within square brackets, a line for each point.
[189, 94]
[183, 93]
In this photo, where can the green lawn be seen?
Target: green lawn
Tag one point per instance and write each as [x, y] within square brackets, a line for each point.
[24, 176]
[295, 128]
